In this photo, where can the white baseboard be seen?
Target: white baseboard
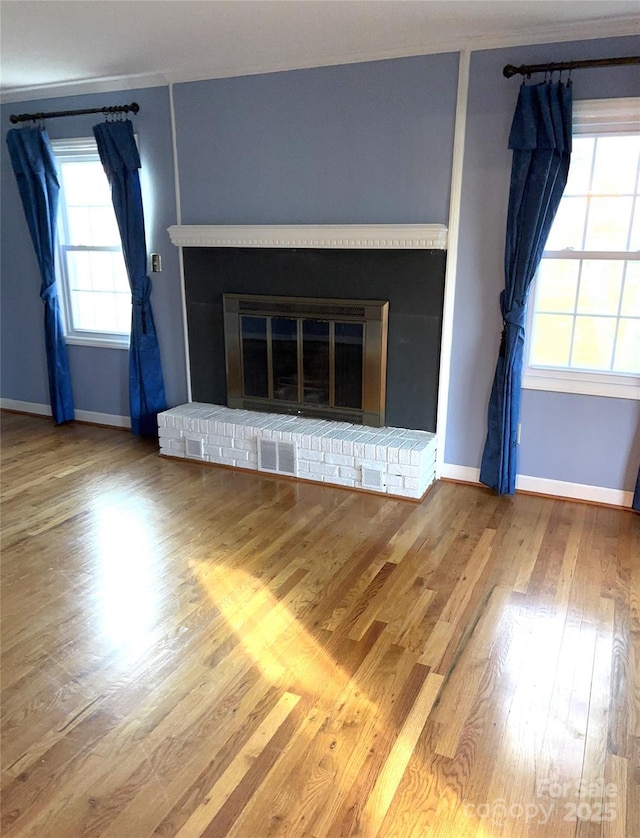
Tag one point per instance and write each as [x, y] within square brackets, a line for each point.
[91, 416]
[545, 486]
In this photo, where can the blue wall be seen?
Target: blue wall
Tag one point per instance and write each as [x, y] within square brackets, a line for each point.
[361, 143]
[581, 439]
[99, 375]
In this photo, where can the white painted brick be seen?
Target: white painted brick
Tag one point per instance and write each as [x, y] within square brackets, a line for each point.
[338, 460]
[404, 455]
[169, 433]
[370, 451]
[341, 481]
[216, 439]
[381, 453]
[367, 463]
[351, 473]
[393, 455]
[324, 468]
[404, 471]
[244, 444]
[309, 454]
[415, 456]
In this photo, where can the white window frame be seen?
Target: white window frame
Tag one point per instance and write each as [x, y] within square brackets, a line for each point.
[81, 149]
[599, 117]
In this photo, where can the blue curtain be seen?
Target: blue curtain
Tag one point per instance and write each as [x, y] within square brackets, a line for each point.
[119, 156]
[635, 503]
[541, 142]
[35, 169]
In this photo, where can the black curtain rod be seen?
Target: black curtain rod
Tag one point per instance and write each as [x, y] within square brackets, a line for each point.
[527, 70]
[134, 107]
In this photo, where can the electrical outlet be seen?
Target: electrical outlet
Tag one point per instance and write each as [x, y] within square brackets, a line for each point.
[156, 263]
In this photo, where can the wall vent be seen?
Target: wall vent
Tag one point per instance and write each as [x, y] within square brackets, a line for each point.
[194, 448]
[277, 457]
[372, 478]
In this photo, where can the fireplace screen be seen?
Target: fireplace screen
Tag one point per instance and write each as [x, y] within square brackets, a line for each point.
[316, 357]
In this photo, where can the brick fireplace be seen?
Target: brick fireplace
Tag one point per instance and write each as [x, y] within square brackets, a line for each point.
[399, 267]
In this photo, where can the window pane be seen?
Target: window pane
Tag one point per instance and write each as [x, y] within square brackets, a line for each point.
[105, 312]
[628, 347]
[608, 224]
[580, 166]
[79, 225]
[615, 165]
[631, 294]
[634, 242]
[593, 343]
[83, 311]
[104, 229]
[568, 227]
[102, 270]
[600, 286]
[79, 270]
[551, 340]
[85, 178]
[557, 284]
[123, 314]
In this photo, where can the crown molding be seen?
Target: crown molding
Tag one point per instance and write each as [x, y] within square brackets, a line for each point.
[351, 236]
[588, 30]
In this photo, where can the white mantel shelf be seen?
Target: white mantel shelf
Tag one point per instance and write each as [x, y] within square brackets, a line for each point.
[348, 236]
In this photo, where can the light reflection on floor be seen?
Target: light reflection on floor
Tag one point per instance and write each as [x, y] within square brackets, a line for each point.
[128, 597]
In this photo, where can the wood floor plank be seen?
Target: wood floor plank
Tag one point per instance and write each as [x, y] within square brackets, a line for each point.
[188, 650]
[220, 791]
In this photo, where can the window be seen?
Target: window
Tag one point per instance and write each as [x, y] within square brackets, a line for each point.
[584, 309]
[93, 280]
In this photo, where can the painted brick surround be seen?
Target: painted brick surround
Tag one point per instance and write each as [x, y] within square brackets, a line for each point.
[327, 452]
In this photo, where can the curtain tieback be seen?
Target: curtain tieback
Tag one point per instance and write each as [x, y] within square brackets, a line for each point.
[49, 294]
[514, 318]
[142, 299]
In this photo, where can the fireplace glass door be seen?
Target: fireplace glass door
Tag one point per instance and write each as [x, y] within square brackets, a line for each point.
[322, 358]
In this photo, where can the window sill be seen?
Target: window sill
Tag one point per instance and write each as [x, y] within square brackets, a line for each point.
[616, 387]
[105, 343]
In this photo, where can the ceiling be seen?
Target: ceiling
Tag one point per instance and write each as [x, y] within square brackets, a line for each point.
[54, 47]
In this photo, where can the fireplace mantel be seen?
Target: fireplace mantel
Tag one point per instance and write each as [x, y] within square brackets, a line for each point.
[347, 236]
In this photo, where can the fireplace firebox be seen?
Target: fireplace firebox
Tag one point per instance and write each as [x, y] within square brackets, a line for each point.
[309, 356]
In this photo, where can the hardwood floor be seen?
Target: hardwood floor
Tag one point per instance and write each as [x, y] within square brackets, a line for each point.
[192, 651]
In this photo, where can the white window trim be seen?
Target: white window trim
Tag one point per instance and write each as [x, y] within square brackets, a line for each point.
[601, 117]
[79, 148]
